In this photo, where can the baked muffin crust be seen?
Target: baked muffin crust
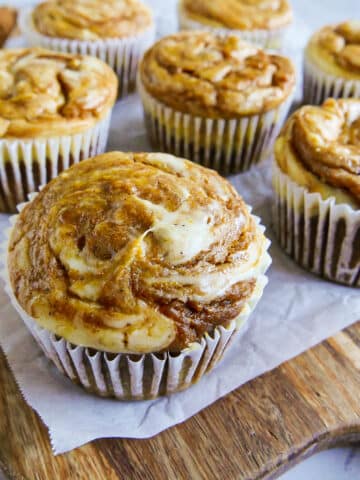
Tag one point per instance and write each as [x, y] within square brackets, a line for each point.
[239, 14]
[336, 49]
[44, 93]
[8, 17]
[91, 19]
[135, 253]
[214, 76]
[319, 148]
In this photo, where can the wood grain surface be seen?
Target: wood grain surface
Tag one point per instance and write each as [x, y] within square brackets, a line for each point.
[257, 432]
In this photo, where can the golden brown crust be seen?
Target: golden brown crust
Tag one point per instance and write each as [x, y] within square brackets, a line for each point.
[213, 76]
[240, 14]
[326, 140]
[336, 49]
[8, 18]
[45, 93]
[91, 19]
[135, 252]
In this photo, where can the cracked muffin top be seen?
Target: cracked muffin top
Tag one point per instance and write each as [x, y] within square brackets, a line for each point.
[215, 76]
[91, 19]
[319, 147]
[239, 14]
[136, 252]
[44, 93]
[336, 49]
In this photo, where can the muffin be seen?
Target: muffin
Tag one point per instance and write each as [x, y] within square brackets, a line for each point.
[332, 63]
[260, 22]
[54, 111]
[8, 18]
[316, 179]
[135, 271]
[214, 99]
[116, 31]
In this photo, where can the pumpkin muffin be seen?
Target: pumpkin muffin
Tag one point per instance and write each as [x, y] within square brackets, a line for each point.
[8, 18]
[54, 111]
[261, 22]
[332, 63]
[116, 31]
[134, 271]
[317, 189]
[214, 99]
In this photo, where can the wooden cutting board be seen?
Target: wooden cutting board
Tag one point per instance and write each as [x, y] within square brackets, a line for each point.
[257, 432]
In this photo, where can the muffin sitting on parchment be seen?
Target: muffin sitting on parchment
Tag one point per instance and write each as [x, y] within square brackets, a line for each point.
[214, 99]
[261, 22]
[332, 63]
[54, 111]
[116, 31]
[134, 271]
[316, 179]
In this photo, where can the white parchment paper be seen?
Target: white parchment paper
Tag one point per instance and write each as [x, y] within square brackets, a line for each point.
[297, 310]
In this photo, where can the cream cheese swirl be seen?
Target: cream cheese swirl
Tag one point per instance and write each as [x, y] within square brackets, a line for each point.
[44, 93]
[240, 14]
[92, 19]
[136, 253]
[214, 76]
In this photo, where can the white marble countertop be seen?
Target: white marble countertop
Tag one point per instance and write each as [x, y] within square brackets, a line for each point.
[335, 464]
[339, 463]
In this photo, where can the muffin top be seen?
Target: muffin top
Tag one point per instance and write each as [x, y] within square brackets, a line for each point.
[215, 76]
[91, 19]
[336, 49]
[135, 253]
[44, 93]
[239, 14]
[319, 148]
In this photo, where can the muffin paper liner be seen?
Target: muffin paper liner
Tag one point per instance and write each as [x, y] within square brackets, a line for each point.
[268, 39]
[228, 146]
[320, 235]
[122, 54]
[132, 376]
[25, 164]
[318, 86]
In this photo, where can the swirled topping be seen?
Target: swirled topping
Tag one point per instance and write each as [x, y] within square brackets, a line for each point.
[214, 76]
[135, 253]
[91, 19]
[240, 14]
[336, 49]
[325, 142]
[44, 93]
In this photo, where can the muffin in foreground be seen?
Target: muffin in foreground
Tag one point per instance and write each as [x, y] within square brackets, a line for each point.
[260, 22]
[116, 31]
[332, 63]
[134, 272]
[54, 111]
[316, 179]
[214, 99]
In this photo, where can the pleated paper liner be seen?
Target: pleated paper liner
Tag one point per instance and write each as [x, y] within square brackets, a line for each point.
[318, 86]
[228, 146]
[122, 54]
[27, 164]
[267, 39]
[321, 236]
[136, 377]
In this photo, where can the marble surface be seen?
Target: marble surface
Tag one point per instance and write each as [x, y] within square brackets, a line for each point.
[335, 464]
[339, 463]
